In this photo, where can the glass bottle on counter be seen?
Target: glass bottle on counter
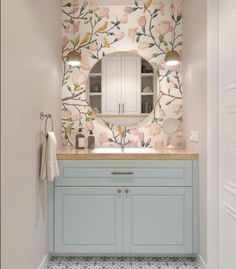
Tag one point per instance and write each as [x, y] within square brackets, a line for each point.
[91, 140]
[80, 140]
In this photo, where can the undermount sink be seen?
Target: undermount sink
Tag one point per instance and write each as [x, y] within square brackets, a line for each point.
[124, 150]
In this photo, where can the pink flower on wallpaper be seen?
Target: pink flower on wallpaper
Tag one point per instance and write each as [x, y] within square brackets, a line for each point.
[93, 47]
[76, 117]
[162, 113]
[73, 28]
[85, 63]
[160, 5]
[120, 35]
[177, 9]
[66, 113]
[128, 10]
[133, 143]
[65, 41]
[178, 109]
[74, 3]
[159, 144]
[65, 142]
[89, 126]
[143, 45]
[164, 27]
[141, 136]
[104, 12]
[132, 33]
[123, 19]
[142, 21]
[93, 6]
[134, 130]
[155, 129]
[78, 78]
[103, 138]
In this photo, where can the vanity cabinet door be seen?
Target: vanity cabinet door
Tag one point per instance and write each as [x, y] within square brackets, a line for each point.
[111, 86]
[158, 220]
[131, 85]
[88, 220]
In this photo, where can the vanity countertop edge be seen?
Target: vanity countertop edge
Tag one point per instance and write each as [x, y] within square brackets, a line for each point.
[163, 154]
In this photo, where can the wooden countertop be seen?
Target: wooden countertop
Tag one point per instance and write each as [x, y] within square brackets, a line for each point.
[163, 154]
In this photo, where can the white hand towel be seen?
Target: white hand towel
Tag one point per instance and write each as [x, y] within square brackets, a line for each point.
[43, 169]
[51, 157]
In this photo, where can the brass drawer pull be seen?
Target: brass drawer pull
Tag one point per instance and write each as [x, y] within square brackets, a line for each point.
[122, 173]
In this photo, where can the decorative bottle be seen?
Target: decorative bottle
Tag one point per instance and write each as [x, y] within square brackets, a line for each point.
[80, 140]
[91, 140]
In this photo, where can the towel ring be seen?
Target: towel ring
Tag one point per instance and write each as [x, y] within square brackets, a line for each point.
[47, 116]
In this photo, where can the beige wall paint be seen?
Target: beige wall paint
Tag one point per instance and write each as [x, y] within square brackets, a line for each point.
[195, 95]
[31, 74]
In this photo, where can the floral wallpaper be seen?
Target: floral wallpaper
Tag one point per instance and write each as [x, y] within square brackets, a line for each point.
[150, 30]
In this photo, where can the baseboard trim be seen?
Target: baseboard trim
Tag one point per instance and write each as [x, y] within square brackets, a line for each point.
[44, 263]
[201, 262]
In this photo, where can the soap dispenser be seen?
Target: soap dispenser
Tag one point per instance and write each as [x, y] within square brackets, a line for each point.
[91, 140]
[80, 140]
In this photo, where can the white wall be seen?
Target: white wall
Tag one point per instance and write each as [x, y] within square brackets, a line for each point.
[31, 53]
[195, 95]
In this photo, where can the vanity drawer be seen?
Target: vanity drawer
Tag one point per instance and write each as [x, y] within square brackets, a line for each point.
[125, 173]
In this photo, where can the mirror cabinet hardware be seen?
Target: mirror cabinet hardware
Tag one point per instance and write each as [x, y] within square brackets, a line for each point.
[119, 191]
[119, 108]
[123, 105]
[126, 191]
[122, 173]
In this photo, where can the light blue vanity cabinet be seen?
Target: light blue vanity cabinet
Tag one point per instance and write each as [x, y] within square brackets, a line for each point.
[123, 207]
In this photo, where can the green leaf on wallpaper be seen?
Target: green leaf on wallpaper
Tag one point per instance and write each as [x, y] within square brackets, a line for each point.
[103, 53]
[168, 79]
[168, 103]
[93, 56]
[159, 119]
[167, 73]
[66, 20]
[154, 55]
[86, 22]
[179, 18]
[67, 5]
[69, 88]
[136, 3]
[138, 38]
[179, 44]
[110, 140]
[155, 10]
[151, 45]
[180, 119]
[165, 43]
[161, 38]
[69, 126]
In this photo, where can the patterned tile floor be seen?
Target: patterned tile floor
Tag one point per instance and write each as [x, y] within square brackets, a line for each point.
[71, 262]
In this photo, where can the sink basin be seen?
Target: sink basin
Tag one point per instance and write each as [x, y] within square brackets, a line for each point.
[125, 150]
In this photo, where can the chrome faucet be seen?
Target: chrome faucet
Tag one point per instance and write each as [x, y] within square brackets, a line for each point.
[123, 137]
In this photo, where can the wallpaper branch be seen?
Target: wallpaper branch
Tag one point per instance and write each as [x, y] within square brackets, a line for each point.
[150, 30]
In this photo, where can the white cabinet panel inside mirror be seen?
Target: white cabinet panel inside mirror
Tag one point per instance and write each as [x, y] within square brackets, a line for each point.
[122, 88]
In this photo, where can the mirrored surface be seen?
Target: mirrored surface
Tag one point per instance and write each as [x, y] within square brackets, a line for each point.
[122, 88]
